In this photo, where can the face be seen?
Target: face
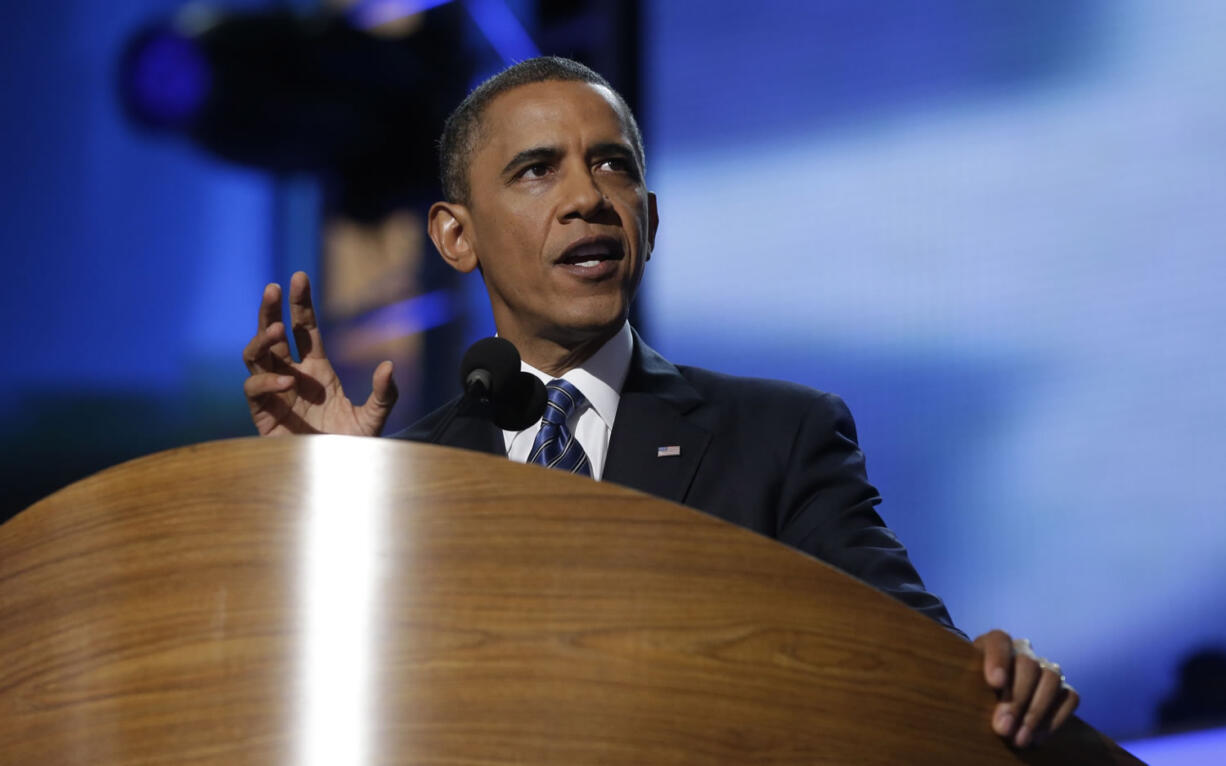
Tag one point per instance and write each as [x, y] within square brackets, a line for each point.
[559, 219]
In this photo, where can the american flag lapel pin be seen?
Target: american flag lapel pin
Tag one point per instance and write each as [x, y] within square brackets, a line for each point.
[673, 450]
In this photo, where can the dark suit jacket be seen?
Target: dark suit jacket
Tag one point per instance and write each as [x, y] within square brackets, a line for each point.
[777, 458]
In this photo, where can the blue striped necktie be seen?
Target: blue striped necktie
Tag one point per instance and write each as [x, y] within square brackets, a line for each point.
[555, 445]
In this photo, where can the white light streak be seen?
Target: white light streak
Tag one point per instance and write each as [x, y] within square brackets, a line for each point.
[339, 596]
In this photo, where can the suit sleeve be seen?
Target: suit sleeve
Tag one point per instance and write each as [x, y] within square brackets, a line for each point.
[827, 509]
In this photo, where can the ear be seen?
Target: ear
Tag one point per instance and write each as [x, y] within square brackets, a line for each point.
[449, 228]
[653, 222]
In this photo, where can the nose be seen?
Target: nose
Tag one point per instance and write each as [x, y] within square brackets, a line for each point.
[583, 198]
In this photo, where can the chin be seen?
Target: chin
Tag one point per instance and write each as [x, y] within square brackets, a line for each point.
[591, 324]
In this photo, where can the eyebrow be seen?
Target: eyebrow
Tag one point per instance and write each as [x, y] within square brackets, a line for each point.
[535, 154]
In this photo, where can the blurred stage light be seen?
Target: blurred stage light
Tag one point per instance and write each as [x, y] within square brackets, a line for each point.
[290, 92]
[503, 30]
[373, 14]
[166, 78]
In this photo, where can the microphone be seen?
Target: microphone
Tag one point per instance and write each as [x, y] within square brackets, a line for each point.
[520, 403]
[495, 388]
[486, 368]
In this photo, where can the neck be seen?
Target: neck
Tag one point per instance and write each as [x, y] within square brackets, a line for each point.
[554, 357]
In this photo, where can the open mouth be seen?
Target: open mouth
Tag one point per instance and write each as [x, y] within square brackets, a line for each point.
[590, 253]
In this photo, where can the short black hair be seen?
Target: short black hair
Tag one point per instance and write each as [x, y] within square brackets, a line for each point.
[462, 128]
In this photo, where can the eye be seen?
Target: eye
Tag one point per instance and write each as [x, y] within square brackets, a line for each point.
[533, 172]
[619, 165]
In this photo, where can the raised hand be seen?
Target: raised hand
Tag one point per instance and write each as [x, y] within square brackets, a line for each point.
[305, 397]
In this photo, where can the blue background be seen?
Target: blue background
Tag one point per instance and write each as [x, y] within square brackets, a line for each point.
[995, 228]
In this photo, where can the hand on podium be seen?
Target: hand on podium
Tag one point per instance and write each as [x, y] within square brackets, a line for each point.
[305, 396]
[1034, 697]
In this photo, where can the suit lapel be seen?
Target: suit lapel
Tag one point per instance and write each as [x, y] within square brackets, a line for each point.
[651, 415]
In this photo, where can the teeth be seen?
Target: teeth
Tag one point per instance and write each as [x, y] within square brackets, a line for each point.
[587, 264]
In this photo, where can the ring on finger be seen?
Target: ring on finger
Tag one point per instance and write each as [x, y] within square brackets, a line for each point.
[1054, 667]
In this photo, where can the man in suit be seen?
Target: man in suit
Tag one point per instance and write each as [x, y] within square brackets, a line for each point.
[774, 457]
[543, 174]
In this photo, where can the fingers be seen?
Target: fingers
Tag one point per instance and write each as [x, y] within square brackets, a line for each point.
[264, 383]
[383, 395]
[383, 391]
[1038, 717]
[997, 648]
[1021, 709]
[1034, 700]
[270, 315]
[1059, 709]
[268, 410]
[1069, 700]
[271, 343]
[270, 306]
[302, 317]
[1023, 670]
[270, 334]
[266, 349]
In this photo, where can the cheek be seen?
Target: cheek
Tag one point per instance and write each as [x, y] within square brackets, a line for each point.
[512, 264]
[507, 240]
[526, 226]
[633, 214]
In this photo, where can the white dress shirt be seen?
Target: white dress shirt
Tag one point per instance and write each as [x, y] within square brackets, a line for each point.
[600, 381]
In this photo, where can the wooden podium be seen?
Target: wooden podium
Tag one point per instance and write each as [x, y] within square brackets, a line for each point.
[337, 600]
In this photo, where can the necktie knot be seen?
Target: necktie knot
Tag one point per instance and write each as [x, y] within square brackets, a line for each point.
[562, 399]
[555, 446]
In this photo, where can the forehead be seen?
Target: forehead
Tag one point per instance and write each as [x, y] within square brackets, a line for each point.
[552, 113]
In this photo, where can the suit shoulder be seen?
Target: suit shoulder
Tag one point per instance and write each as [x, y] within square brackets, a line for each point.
[762, 392]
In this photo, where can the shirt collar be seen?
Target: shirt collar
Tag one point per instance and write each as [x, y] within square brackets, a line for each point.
[601, 377]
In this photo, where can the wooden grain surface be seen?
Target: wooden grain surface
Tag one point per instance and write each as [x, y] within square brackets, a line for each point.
[338, 600]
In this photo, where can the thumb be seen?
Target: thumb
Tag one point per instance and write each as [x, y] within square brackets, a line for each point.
[383, 396]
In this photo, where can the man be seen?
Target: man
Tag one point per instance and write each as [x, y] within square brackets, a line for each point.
[545, 196]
